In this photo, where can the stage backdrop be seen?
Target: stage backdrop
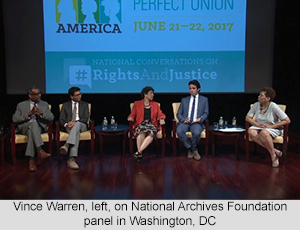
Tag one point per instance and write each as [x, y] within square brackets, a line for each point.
[120, 46]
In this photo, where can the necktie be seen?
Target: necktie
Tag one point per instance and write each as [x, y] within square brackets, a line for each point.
[193, 109]
[35, 117]
[74, 112]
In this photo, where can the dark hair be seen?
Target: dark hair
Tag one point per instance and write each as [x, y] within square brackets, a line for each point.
[146, 90]
[196, 83]
[72, 90]
[270, 92]
[29, 91]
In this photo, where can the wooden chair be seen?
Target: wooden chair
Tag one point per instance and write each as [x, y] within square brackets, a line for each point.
[204, 134]
[16, 139]
[88, 135]
[280, 140]
[161, 135]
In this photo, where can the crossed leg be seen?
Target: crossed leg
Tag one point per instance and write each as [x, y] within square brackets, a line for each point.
[264, 139]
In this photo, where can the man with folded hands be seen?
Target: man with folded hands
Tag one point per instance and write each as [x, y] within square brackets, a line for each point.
[32, 118]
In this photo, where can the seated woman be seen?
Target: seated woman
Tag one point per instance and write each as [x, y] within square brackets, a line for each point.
[268, 122]
[147, 118]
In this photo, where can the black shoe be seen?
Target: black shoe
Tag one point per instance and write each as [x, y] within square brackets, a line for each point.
[137, 155]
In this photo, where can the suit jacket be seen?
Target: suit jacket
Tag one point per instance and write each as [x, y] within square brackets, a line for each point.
[137, 113]
[66, 112]
[202, 110]
[20, 116]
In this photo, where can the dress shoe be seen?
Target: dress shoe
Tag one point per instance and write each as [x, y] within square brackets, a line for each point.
[196, 155]
[63, 150]
[275, 162]
[279, 153]
[137, 155]
[32, 166]
[72, 164]
[190, 154]
[43, 155]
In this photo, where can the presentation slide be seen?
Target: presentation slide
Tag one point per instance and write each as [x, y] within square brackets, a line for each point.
[120, 46]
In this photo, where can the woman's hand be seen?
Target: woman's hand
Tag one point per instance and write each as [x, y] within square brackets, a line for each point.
[130, 119]
[162, 122]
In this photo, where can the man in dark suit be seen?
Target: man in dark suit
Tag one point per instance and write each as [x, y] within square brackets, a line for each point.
[192, 113]
[74, 116]
[32, 117]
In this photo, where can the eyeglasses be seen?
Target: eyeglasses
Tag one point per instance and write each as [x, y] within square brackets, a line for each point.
[76, 95]
[35, 94]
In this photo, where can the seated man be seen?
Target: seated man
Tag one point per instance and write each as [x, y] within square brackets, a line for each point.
[192, 113]
[32, 117]
[74, 116]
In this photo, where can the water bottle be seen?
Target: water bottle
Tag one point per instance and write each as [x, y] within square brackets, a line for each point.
[112, 122]
[234, 121]
[221, 122]
[104, 124]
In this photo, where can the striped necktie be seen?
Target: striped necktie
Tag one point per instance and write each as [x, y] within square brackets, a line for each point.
[74, 112]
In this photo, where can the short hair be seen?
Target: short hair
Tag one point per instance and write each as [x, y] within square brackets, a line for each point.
[72, 90]
[29, 91]
[146, 90]
[270, 92]
[196, 83]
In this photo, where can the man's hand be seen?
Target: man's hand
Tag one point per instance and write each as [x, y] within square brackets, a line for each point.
[187, 120]
[70, 124]
[33, 111]
[198, 120]
[39, 112]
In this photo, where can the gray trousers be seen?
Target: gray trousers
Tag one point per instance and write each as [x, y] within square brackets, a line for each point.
[195, 129]
[74, 137]
[33, 132]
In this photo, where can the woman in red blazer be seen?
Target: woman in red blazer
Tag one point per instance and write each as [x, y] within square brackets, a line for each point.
[147, 118]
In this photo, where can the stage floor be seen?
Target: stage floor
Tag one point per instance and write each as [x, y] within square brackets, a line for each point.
[116, 177]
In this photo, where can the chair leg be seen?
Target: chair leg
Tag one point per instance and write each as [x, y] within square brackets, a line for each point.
[92, 147]
[163, 147]
[131, 145]
[206, 146]
[175, 146]
[247, 149]
[57, 149]
[13, 153]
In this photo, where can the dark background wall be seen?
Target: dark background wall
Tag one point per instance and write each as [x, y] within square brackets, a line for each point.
[285, 81]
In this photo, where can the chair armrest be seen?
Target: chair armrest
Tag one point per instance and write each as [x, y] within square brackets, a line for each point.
[174, 127]
[285, 133]
[207, 129]
[163, 131]
[130, 129]
[92, 127]
[50, 130]
[57, 130]
[13, 132]
[247, 125]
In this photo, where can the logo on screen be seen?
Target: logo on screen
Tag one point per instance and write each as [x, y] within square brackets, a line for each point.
[88, 11]
[80, 75]
[88, 16]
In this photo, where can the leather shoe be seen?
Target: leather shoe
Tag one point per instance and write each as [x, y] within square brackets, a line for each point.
[63, 150]
[72, 164]
[32, 166]
[196, 155]
[43, 155]
[190, 154]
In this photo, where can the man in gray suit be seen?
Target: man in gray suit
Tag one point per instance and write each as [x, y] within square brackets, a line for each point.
[192, 113]
[32, 117]
[74, 116]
